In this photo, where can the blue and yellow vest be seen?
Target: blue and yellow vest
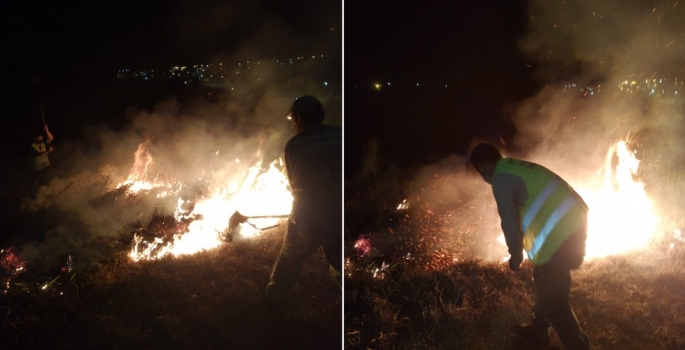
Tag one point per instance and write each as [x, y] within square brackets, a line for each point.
[552, 212]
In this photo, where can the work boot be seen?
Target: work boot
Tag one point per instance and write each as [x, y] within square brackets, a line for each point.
[535, 334]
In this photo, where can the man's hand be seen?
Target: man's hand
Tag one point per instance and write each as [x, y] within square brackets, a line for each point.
[45, 127]
[515, 261]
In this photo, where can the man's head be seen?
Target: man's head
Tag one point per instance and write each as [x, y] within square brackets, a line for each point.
[38, 139]
[484, 158]
[306, 111]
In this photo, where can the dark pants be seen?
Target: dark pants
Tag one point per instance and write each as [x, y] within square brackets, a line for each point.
[552, 288]
[299, 243]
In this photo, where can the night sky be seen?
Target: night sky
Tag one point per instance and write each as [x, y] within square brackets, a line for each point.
[49, 37]
[472, 47]
[474, 61]
[496, 69]
[67, 53]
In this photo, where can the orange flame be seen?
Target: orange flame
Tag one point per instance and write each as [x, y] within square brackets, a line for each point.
[138, 179]
[622, 217]
[258, 192]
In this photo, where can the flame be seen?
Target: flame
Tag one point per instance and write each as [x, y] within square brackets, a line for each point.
[256, 192]
[622, 217]
[139, 180]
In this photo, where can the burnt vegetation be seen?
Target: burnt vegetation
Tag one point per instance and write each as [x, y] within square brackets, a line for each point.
[433, 276]
[68, 281]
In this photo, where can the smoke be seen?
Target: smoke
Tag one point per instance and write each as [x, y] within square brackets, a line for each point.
[267, 27]
[455, 208]
[200, 142]
[582, 53]
[612, 70]
[610, 40]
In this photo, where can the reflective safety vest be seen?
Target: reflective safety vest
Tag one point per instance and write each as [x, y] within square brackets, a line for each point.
[552, 212]
[40, 148]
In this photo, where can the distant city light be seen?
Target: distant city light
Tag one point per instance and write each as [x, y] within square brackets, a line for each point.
[377, 86]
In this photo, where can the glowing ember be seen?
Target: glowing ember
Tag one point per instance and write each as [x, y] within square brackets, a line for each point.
[362, 246]
[621, 214]
[199, 223]
[10, 262]
[380, 272]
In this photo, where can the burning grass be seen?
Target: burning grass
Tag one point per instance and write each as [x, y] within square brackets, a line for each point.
[69, 280]
[210, 300]
[430, 273]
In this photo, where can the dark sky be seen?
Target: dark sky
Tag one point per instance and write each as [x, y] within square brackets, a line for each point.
[472, 47]
[75, 47]
[58, 36]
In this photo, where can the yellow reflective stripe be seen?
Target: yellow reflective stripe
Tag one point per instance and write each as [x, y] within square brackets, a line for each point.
[537, 204]
[551, 223]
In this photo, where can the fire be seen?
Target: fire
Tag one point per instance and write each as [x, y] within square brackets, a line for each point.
[200, 223]
[139, 180]
[621, 217]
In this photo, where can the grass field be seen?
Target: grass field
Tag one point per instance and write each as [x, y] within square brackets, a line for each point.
[433, 275]
[624, 302]
[208, 300]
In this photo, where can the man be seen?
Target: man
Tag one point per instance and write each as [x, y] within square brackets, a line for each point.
[41, 148]
[313, 162]
[542, 214]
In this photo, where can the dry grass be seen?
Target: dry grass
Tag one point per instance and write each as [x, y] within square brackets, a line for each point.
[623, 302]
[420, 285]
[209, 300]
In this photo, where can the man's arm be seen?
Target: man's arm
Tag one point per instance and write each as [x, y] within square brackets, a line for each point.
[48, 135]
[505, 189]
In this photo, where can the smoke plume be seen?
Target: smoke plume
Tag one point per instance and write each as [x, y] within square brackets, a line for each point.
[198, 142]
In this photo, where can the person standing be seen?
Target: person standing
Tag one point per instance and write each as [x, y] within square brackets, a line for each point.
[41, 148]
[543, 215]
[313, 163]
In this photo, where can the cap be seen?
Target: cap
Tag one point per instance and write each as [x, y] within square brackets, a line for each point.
[306, 107]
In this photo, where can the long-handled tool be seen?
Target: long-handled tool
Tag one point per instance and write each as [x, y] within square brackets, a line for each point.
[237, 219]
[36, 82]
